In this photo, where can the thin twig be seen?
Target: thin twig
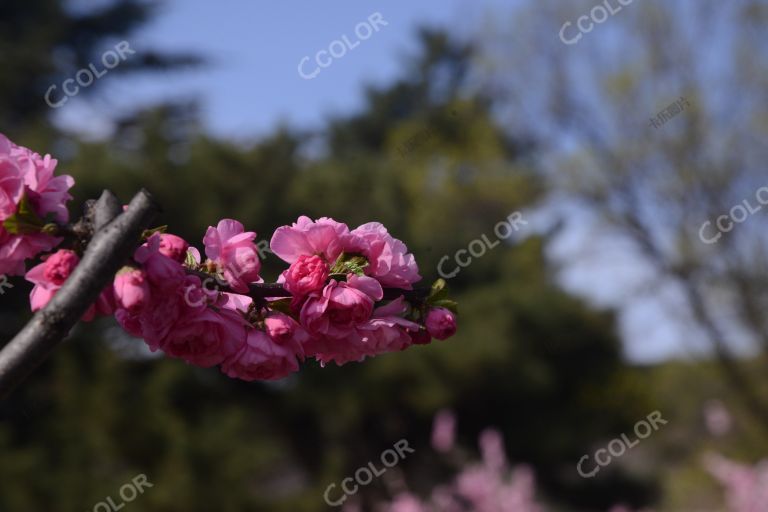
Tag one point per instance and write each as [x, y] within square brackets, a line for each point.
[260, 291]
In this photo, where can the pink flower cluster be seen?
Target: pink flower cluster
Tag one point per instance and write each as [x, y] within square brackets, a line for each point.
[489, 486]
[341, 316]
[335, 313]
[29, 193]
[336, 309]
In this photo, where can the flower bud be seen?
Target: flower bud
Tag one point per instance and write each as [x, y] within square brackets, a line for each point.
[441, 323]
[131, 289]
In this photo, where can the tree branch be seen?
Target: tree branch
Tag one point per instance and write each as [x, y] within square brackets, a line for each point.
[260, 291]
[115, 236]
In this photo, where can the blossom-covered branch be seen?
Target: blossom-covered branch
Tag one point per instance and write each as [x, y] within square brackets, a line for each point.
[347, 294]
[115, 236]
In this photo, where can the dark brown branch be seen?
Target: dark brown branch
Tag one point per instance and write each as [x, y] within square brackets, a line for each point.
[116, 235]
[269, 290]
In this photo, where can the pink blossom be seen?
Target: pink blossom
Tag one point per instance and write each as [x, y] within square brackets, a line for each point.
[159, 318]
[235, 302]
[285, 331]
[205, 338]
[260, 358]
[132, 290]
[24, 173]
[324, 237]
[47, 193]
[337, 310]
[165, 307]
[385, 331]
[389, 260]
[173, 247]
[441, 323]
[163, 272]
[232, 248]
[11, 181]
[306, 275]
[14, 249]
[49, 276]
[444, 431]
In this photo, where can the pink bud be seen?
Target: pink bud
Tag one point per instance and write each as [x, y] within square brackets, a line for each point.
[441, 323]
[132, 290]
[173, 247]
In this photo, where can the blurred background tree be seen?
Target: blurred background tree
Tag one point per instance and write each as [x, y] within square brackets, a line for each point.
[653, 187]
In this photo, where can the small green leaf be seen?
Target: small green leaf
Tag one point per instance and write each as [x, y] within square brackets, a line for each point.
[349, 264]
[437, 286]
[25, 221]
[189, 260]
[450, 305]
[282, 305]
[149, 232]
[437, 292]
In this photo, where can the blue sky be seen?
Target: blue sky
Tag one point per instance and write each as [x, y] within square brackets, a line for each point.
[254, 48]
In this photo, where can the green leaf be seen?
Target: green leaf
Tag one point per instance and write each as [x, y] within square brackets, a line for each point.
[349, 264]
[149, 232]
[437, 292]
[25, 221]
[438, 286]
[282, 305]
[189, 260]
[450, 305]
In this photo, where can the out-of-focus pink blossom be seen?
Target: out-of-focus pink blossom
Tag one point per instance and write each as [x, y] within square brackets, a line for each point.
[232, 248]
[492, 449]
[717, 418]
[444, 431]
[746, 487]
[487, 487]
[406, 502]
